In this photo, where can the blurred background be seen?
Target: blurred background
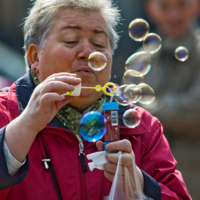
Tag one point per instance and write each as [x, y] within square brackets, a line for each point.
[176, 84]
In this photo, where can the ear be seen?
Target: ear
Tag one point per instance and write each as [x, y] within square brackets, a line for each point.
[33, 55]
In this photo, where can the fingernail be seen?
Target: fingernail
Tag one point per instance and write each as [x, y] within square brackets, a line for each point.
[108, 146]
[71, 87]
[78, 79]
[106, 156]
[62, 97]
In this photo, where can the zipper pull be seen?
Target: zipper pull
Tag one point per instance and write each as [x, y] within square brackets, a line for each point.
[46, 166]
[82, 157]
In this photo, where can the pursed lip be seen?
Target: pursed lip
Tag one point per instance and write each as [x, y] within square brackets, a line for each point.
[86, 71]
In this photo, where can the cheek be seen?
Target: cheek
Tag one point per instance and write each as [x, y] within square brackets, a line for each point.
[104, 75]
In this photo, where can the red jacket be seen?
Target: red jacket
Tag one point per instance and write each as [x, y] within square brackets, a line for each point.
[152, 155]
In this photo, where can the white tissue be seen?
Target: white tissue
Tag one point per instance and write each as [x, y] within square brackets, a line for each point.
[98, 159]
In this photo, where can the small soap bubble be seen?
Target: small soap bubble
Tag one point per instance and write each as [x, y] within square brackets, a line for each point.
[138, 29]
[120, 97]
[132, 93]
[140, 62]
[131, 118]
[97, 61]
[181, 53]
[93, 126]
[152, 43]
[132, 77]
[147, 93]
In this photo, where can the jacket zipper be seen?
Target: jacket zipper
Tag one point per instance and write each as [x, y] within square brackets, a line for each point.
[82, 157]
[84, 168]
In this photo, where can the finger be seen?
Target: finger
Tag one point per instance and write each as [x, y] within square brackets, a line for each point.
[66, 79]
[121, 145]
[66, 74]
[109, 176]
[56, 86]
[48, 98]
[126, 158]
[65, 101]
[110, 167]
[100, 145]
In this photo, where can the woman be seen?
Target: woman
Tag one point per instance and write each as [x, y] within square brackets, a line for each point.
[41, 123]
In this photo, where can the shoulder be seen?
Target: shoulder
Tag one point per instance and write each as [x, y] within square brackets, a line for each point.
[147, 119]
[8, 104]
[148, 122]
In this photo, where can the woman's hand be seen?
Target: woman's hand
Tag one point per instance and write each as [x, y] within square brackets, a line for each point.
[127, 158]
[46, 101]
[42, 107]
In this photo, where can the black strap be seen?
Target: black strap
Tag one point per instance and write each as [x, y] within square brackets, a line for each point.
[53, 175]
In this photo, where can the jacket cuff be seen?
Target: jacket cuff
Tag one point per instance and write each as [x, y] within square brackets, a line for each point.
[7, 179]
[151, 187]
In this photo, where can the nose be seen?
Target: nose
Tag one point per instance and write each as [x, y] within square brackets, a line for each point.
[174, 15]
[85, 50]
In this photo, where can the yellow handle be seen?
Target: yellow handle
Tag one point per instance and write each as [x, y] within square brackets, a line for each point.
[98, 88]
[87, 87]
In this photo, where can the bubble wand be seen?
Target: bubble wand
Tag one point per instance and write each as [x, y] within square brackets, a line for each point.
[98, 88]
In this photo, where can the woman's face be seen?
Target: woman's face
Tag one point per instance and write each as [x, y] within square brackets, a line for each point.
[74, 35]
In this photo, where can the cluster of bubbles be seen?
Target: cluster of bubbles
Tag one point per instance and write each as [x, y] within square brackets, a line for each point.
[93, 125]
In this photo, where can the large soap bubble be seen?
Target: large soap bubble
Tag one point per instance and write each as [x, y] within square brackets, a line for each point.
[132, 77]
[97, 61]
[120, 96]
[131, 118]
[93, 126]
[138, 29]
[140, 62]
[152, 43]
[147, 93]
[132, 93]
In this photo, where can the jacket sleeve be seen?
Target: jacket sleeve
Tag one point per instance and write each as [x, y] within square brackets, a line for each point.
[164, 165]
[6, 179]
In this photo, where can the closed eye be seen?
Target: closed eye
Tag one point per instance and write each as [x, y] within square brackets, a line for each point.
[71, 43]
[99, 46]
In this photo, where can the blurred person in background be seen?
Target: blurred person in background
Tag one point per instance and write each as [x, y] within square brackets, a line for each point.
[177, 84]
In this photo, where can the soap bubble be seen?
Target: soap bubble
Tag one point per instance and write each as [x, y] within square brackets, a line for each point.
[132, 93]
[181, 53]
[147, 93]
[93, 126]
[140, 62]
[152, 43]
[132, 77]
[97, 61]
[120, 97]
[138, 29]
[131, 118]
